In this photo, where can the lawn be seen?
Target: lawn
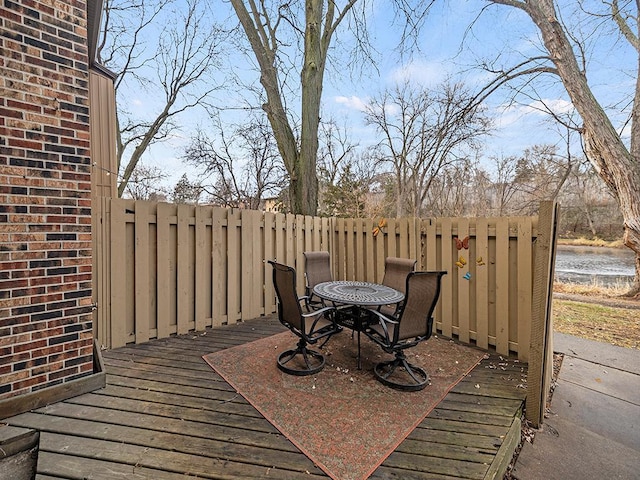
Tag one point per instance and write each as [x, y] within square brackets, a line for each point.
[614, 325]
[596, 313]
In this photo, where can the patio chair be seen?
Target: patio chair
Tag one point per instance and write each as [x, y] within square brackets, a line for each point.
[317, 266]
[395, 276]
[413, 325]
[309, 327]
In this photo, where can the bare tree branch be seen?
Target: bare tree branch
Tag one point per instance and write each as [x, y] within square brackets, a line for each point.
[298, 143]
[178, 66]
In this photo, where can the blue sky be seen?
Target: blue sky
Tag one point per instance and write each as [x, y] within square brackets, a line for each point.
[449, 47]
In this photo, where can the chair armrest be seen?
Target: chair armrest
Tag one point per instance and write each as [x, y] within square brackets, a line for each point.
[383, 317]
[318, 312]
[384, 320]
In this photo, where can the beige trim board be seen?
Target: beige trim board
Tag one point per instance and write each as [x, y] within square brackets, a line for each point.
[40, 398]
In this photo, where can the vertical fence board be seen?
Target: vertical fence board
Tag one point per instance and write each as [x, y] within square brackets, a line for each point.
[465, 279]
[380, 253]
[141, 272]
[541, 342]
[218, 267]
[502, 285]
[247, 244]
[325, 234]
[446, 297]
[430, 256]
[290, 239]
[183, 270]
[391, 250]
[298, 255]
[350, 254]
[280, 238]
[101, 220]
[251, 281]
[202, 289]
[234, 223]
[118, 275]
[369, 250]
[318, 238]
[430, 245]
[270, 235]
[524, 286]
[163, 290]
[309, 236]
[482, 282]
[415, 242]
[359, 251]
[402, 239]
[338, 234]
[129, 269]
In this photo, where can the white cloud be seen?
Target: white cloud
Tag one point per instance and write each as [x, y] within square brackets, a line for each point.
[558, 106]
[507, 115]
[420, 72]
[353, 102]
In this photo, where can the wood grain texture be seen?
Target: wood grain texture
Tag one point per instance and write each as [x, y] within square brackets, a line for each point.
[165, 414]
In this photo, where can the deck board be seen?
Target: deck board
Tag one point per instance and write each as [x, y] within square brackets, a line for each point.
[165, 414]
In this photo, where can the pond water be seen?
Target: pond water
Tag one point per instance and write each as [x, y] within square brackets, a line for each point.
[594, 265]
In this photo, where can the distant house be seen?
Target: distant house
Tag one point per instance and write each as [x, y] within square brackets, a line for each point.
[56, 112]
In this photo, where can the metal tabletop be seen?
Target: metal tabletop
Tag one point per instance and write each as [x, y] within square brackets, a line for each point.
[358, 293]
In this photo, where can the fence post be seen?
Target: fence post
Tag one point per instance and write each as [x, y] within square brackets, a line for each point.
[541, 342]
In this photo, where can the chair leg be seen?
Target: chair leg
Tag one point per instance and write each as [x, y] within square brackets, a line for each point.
[313, 361]
[400, 374]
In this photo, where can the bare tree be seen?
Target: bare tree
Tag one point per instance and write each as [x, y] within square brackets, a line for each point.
[587, 205]
[504, 187]
[616, 164]
[424, 132]
[168, 52]
[243, 167]
[450, 192]
[540, 174]
[186, 191]
[274, 30]
[335, 150]
[145, 183]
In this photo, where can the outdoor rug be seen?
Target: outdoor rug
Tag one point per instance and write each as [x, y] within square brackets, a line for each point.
[342, 418]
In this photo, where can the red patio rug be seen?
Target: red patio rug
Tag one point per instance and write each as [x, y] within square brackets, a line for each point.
[342, 418]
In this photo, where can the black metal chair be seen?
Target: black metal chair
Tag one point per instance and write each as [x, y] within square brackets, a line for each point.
[395, 276]
[317, 269]
[309, 327]
[413, 325]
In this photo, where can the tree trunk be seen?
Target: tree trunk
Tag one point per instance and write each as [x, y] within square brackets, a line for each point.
[274, 108]
[603, 146]
[300, 163]
[305, 190]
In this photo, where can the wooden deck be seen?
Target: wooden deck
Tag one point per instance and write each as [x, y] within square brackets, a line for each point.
[166, 415]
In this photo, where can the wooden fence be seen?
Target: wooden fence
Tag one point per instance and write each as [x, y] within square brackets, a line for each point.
[162, 269]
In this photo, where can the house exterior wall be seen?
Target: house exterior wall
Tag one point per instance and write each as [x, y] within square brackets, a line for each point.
[46, 336]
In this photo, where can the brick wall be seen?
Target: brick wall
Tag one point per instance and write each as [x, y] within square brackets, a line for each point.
[45, 196]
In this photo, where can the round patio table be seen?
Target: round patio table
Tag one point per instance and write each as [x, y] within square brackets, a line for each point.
[357, 295]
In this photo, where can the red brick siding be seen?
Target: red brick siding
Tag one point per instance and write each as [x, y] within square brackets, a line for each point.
[46, 333]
